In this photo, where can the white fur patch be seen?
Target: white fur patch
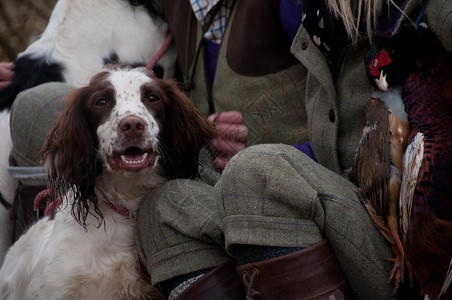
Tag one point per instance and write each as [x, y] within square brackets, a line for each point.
[8, 184]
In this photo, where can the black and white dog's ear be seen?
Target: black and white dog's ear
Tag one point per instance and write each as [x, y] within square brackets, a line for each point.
[185, 131]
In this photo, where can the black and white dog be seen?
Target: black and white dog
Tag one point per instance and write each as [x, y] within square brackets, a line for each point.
[84, 35]
[80, 38]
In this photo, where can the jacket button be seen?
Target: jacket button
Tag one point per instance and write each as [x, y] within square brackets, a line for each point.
[304, 45]
[332, 116]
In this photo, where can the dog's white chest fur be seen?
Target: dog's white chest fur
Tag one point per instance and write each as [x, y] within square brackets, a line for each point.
[101, 260]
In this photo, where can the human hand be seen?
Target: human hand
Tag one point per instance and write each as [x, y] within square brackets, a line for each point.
[6, 74]
[231, 138]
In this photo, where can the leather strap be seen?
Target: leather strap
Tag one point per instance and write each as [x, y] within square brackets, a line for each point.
[311, 273]
[219, 284]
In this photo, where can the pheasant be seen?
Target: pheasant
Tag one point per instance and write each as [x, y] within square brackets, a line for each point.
[377, 169]
[415, 67]
[426, 192]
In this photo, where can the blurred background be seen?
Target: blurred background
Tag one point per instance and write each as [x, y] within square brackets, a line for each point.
[21, 22]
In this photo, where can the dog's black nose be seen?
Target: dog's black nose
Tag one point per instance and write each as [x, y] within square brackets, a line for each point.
[132, 126]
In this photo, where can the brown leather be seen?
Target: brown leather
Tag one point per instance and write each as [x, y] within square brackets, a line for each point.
[257, 44]
[177, 15]
[222, 283]
[22, 214]
[311, 273]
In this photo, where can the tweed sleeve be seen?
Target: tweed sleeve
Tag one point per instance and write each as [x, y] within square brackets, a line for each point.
[439, 17]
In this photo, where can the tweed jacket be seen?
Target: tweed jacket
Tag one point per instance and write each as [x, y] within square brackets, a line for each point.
[256, 73]
[335, 110]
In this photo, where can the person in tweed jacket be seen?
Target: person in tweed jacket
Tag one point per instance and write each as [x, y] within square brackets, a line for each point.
[281, 223]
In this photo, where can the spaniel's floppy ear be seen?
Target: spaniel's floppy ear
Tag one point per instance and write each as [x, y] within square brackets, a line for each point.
[70, 156]
[185, 131]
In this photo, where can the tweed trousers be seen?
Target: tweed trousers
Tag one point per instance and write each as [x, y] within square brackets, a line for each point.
[271, 195]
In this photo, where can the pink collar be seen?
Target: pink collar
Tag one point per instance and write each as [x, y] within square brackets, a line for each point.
[123, 211]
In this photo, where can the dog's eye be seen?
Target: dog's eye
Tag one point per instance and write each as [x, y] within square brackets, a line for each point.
[101, 102]
[153, 98]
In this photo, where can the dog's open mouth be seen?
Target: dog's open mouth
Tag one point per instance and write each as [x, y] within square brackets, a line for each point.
[132, 159]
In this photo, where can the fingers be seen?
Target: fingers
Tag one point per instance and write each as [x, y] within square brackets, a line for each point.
[7, 65]
[4, 84]
[232, 136]
[221, 162]
[230, 125]
[225, 148]
[6, 71]
[233, 132]
[232, 117]
[6, 74]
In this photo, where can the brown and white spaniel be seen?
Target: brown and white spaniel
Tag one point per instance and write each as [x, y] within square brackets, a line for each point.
[118, 138]
[80, 38]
